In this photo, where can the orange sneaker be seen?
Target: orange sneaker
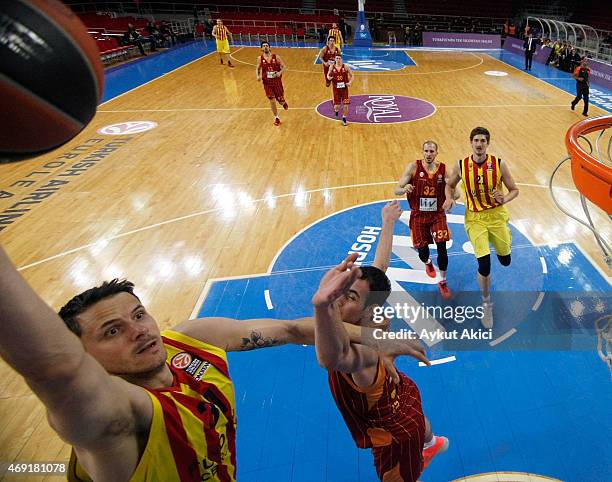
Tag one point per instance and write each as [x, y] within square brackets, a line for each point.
[430, 270]
[444, 290]
[277, 121]
[439, 447]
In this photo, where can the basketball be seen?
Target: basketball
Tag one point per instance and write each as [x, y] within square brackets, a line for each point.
[51, 76]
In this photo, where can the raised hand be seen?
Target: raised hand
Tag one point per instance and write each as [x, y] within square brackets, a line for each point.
[336, 282]
[392, 211]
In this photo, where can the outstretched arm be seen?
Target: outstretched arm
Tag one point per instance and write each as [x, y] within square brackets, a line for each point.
[390, 214]
[245, 335]
[334, 349]
[86, 406]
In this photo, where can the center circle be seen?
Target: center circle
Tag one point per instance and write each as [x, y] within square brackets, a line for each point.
[381, 109]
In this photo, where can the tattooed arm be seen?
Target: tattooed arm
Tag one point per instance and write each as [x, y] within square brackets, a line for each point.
[244, 335]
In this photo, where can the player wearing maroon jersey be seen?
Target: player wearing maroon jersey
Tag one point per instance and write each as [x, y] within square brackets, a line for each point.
[423, 183]
[270, 68]
[327, 55]
[382, 410]
[342, 77]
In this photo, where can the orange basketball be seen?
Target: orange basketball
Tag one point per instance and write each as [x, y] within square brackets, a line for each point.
[51, 76]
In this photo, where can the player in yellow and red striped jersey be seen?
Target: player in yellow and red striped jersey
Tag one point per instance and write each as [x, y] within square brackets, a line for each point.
[222, 36]
[486, 218]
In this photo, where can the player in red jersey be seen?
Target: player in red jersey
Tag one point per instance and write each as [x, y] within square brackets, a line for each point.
[342, 77]
[382, 410]
[423, 183]
[327, 55]
[270, 68]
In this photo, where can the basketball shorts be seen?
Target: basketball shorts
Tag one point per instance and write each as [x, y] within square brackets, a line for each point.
[341, 96]
[489, 227]
[425, 230]
[402, 461]
[275, 91]
[223, 46]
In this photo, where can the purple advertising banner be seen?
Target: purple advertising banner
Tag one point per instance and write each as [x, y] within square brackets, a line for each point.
[515, 45]
[461, 40]
[601, 73]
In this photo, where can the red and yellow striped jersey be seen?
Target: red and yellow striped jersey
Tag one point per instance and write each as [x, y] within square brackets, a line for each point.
[193, 430]
[479, 182]
[220, 32]
[335, 32]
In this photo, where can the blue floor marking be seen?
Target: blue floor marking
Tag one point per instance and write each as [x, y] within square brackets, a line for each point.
[599, 95]
[121, 79]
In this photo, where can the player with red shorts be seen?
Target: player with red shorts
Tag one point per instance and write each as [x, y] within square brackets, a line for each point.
[327, 55]
[270, 68]
[380, 405]
[341, 77]
[423, 183]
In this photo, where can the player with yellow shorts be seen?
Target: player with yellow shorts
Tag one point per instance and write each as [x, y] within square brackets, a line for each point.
[222, 35]
[486, 218]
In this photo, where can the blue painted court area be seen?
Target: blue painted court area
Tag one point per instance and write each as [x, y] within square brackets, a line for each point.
[375, 60]
[123, 78]
[598, 95]
[508, 408]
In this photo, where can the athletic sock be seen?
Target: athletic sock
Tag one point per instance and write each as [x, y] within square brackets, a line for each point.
[431, 443]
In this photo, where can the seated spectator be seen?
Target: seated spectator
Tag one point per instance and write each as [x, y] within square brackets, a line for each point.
[154, 35]
[167, 33]
[132, 37]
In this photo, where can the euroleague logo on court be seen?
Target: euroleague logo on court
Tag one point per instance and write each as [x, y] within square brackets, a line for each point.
[124, 128]
[381, 109]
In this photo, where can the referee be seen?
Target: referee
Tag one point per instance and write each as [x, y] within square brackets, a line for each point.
[221, 34]
[581, 74]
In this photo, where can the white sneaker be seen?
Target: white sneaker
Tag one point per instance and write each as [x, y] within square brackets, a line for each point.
[487, 319]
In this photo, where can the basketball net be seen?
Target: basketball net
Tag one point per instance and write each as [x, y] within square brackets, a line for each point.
[604, 340]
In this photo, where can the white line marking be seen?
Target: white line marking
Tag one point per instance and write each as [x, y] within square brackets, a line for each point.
[205, 109]
[200, 302]
[157, 78]
[268, 300]
[544, 267]
[448, 359]
[213, 210]
[357, 73]
[504, 337]
[536, 305]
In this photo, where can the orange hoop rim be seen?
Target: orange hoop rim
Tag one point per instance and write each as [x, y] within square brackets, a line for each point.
[576, 151]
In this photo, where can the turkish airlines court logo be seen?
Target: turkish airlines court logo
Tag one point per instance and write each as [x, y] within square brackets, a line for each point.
[123, 128]
[381, 109]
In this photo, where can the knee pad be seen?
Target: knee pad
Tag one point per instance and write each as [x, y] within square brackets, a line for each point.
[424, 253]
[484, 265]
[442, 256]
[504, 260]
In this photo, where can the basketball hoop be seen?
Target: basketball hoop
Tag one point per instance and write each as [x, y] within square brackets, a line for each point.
[592, 176]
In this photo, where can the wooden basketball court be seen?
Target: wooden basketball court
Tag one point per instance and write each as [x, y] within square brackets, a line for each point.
[215, 190]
